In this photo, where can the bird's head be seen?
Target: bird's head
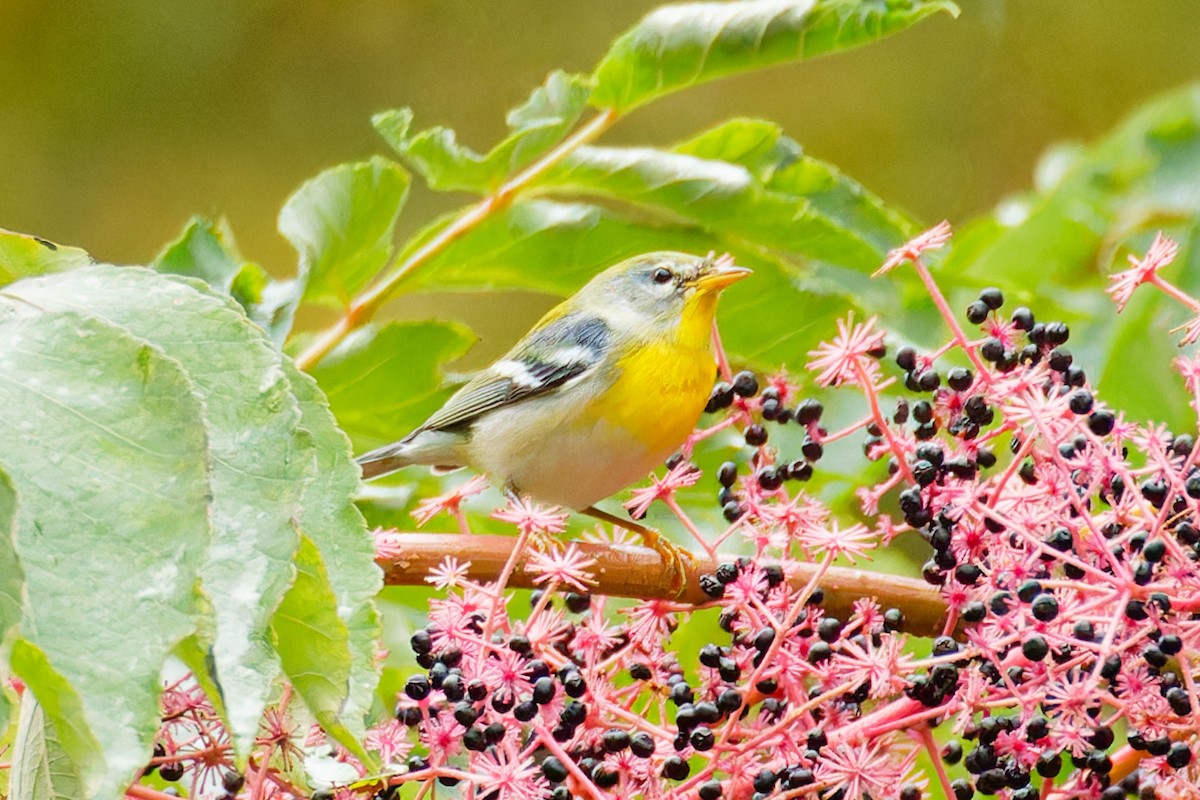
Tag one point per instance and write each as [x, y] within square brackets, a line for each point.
[667, 289]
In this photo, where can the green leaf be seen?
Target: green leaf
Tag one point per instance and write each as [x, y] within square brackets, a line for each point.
[342, 223]
[806, 210]
[382, 382]
[534, 127]
[774, 317]
[678, 46]
[206, 250]
[12, 582]
[11, 577]
[1092, 206]
[331, 520]
[260, 457]
[544, 245]
[756, 144]
[313, 644]
[41, 768]
[1138, 178]
[98, 426]
[22, 256]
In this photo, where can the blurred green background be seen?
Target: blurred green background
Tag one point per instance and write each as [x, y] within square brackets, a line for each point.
[120, 120]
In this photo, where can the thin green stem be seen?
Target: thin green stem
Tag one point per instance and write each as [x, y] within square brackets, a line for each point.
[363, 307]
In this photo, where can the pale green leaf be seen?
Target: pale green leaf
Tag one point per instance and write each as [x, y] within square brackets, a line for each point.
[11, 577]
[41, 768]
[342, 222]
[682, 45]
[333, 522]
[12, 582]
[260, 456]
[105, 444]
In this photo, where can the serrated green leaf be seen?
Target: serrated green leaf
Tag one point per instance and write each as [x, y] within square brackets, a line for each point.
[758, 145]
[534, 127]
[382, 382]
[342, 222]
[682, 45]
[97, 425]
[807, 210]
[544, 245]
[332, 521]
[22, 256]
[41, 768]
[313, 645]
[261, 458]
[780, 165]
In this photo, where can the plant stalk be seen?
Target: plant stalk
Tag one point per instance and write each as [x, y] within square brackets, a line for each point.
[638, 572]
[363, 307]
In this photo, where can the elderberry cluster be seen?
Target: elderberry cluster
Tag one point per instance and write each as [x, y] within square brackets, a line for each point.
[769, 472]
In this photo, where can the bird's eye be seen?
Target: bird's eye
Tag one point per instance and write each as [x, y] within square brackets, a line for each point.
[662, 275]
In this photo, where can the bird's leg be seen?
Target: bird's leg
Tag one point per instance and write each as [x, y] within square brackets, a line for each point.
[675, 558]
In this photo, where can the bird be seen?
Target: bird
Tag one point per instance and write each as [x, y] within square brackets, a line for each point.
[603, 389]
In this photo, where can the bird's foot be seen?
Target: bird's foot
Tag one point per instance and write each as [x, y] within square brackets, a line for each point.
[544, 541]
[677, 560]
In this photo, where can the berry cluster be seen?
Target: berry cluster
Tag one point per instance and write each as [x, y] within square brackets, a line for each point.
[770, 469]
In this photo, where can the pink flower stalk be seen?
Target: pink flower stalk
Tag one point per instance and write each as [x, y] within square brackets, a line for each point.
[530, 518]
[848, 360]
[680, 476]
[450, 502]
[450, 573]
[389, 543]
[390, 740]
[932, 239]
[1161, 253]
[558, 568]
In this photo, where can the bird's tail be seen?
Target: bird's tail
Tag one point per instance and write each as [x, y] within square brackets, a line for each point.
[383, 460]
[438, 449]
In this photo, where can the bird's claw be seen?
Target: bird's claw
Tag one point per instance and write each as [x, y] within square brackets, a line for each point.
[678, 561]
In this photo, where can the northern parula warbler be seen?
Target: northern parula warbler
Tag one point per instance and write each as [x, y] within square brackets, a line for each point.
[601, 391]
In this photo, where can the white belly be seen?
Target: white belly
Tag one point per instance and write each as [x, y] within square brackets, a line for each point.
[558, 461]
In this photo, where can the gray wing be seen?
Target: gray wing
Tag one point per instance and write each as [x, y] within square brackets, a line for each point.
[545, 359]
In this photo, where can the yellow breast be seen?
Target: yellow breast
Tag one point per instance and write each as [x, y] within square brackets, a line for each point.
[660, 394]
[662, 387]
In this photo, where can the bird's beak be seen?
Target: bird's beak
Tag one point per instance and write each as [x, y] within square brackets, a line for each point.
[719, 275]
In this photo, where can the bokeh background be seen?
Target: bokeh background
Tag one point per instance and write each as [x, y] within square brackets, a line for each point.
[118, 121]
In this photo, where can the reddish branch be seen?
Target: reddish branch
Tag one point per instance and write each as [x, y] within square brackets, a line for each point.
[627, 571]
